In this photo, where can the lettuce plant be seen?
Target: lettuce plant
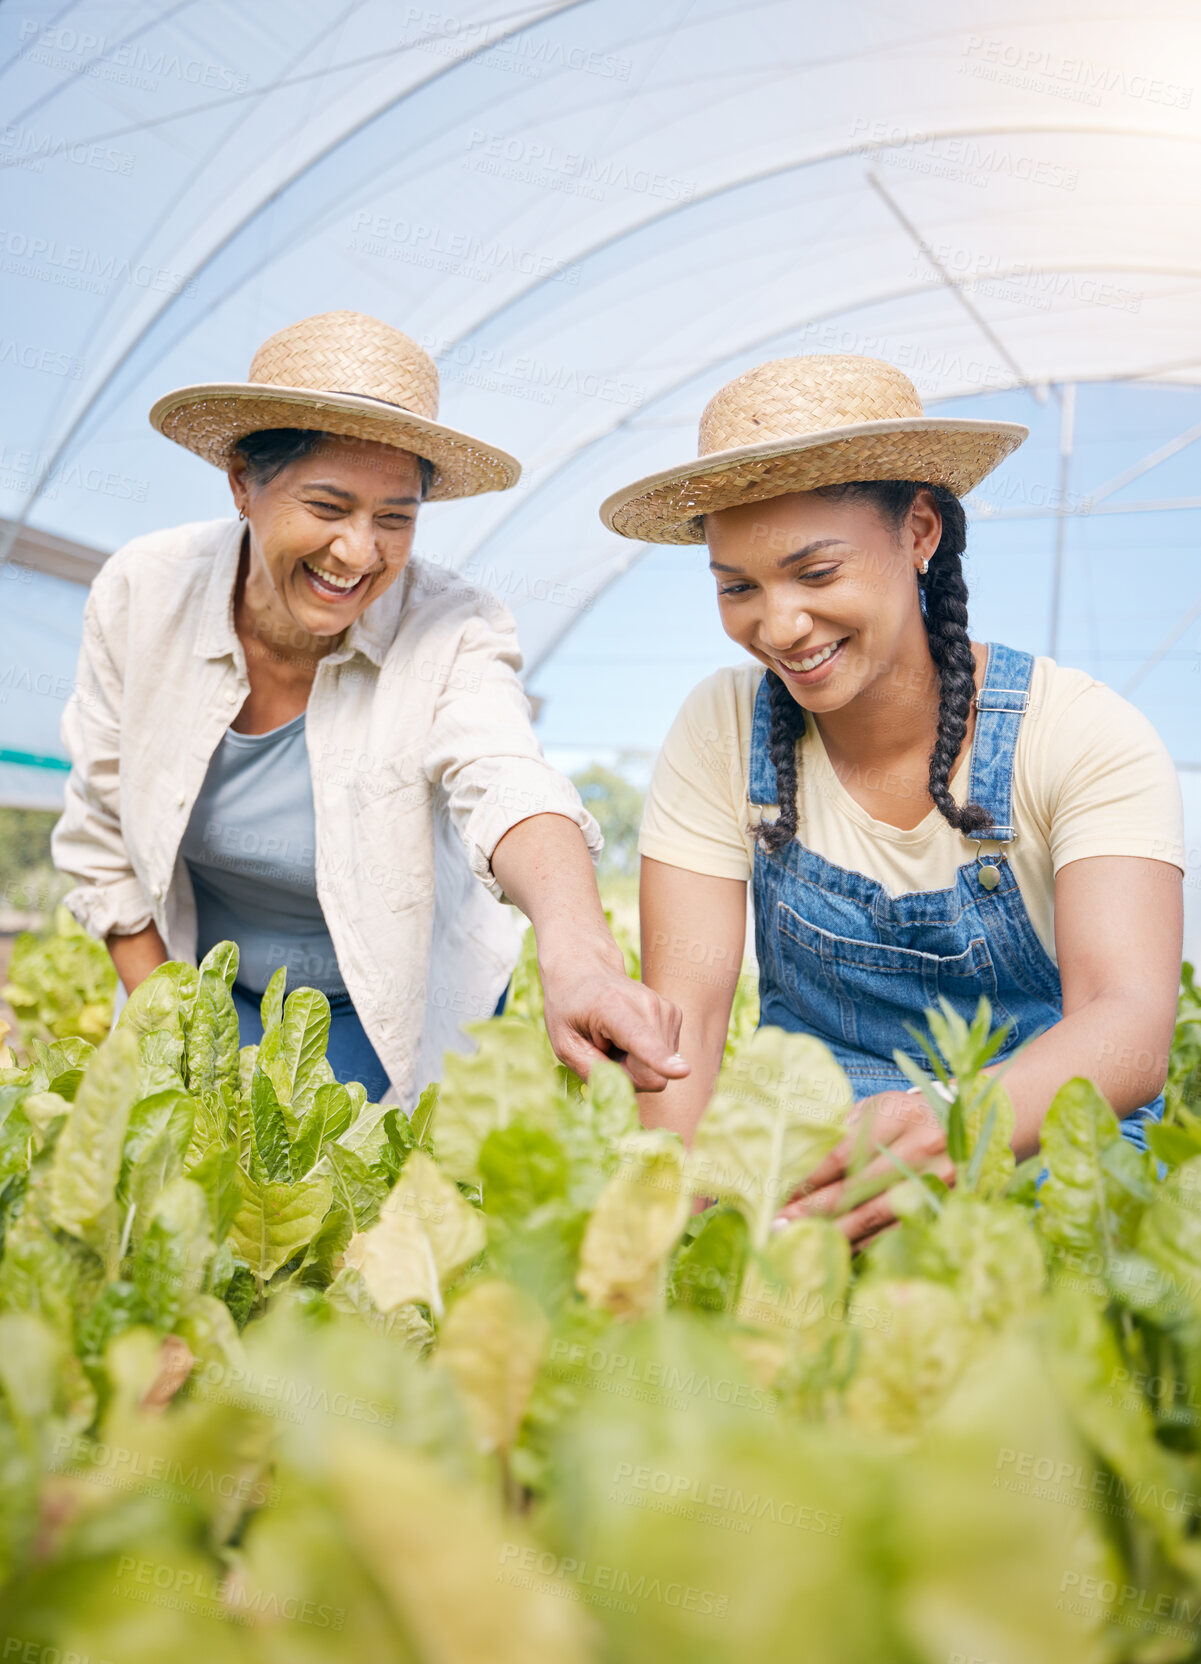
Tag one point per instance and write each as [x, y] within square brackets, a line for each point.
[61, 983]
[287, 1375]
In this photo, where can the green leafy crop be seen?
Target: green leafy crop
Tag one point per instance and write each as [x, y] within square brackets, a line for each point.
[60, 983]
[289, 1376]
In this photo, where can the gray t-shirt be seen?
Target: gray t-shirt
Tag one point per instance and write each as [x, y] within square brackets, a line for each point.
[251, 850]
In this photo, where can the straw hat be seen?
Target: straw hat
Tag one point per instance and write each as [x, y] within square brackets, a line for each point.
[345, 373]
[797, 423]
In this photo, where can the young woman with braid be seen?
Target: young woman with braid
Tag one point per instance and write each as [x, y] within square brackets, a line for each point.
[921, 816]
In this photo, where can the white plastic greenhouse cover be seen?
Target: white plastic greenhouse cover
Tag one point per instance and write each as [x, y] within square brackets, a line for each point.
[593, 212]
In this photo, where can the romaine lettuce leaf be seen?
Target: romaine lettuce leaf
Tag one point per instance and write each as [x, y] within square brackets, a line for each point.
[910, 1355]
[522, 1168]
[707, 1271]
[508, 1075]
[779, 1106]
[176, 1247]
[1089, 1205]
[269, 1130]
[1169, 1238]
[491, 1343]
[425, 1233]
[358, 1190]
[87, 1158]
[799, 1279]
[634, 1227]
[210, 1023]
[292, 1053]
[325, 1120]
[275, 1221]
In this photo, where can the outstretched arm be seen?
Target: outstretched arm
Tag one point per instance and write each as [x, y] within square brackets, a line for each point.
[527, 838]
[693, 934]
[592, 1008]
[1118, 931]
[1119, 926]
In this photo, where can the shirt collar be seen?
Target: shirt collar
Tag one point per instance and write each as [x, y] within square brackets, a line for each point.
[217, 638]
[374, 630]
[371, 634]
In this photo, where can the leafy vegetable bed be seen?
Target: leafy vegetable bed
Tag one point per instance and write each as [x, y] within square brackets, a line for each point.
[285, 1376]
[60, 983]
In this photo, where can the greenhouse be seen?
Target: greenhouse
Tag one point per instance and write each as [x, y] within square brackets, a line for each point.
[568, 205]
[485, 1361]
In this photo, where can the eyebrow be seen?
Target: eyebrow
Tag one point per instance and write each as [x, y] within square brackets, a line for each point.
[786, 560]
[337, 491]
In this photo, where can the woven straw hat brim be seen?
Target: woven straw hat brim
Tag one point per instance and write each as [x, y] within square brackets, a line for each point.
[666, 507]
[211, 417]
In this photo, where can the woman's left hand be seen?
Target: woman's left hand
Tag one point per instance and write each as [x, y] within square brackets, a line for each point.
[905, 1123]
[593, 1010]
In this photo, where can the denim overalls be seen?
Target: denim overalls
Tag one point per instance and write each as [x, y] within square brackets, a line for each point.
[842, 959]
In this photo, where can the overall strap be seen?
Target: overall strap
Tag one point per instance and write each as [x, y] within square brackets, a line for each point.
[1000, 705]
[762, 786]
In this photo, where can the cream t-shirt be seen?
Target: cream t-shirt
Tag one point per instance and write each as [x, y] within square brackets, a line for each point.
[1091, 777]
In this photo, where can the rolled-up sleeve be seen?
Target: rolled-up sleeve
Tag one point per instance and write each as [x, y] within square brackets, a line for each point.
[483, 752]
[87, 842]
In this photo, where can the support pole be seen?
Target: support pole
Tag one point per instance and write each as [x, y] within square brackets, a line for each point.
[1067, 424]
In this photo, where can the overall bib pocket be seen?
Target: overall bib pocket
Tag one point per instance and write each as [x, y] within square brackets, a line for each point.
[864, 993]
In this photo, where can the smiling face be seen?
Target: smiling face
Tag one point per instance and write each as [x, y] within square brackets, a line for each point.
[822, 591]
[328, 534]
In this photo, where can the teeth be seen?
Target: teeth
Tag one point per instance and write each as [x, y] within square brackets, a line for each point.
[332, 577]
[814, 660]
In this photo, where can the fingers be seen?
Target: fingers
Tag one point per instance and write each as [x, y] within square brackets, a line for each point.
[828, 1170]
[578, 1053]
[593, 1012]
[861, 1119]
[863, 1198]
[894, 1125]
[867, 1130]
[866, 1221]
[646, 1079]
[645, 1029]
[638, 1029]
[874, 1216]
[833, 1199]
[917, 1151]
[896, 1113]
[874, 1236]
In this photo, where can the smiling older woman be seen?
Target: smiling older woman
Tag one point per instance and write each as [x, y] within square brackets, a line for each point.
[290, 733]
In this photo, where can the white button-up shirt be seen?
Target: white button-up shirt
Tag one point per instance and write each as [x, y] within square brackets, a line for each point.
[421, 753]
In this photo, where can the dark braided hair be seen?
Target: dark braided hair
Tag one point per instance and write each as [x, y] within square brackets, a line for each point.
[944, 609]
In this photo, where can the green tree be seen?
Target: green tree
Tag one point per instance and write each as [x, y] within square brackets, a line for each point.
[28, 882]
[617, 805]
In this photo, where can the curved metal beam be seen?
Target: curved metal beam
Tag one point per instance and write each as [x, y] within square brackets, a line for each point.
[114, 362]
[839, 153]
[53, 92]
[199, 166]
[536, 663]
[234, 219]
[24, 51]
[884, 297]
[615, 576]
